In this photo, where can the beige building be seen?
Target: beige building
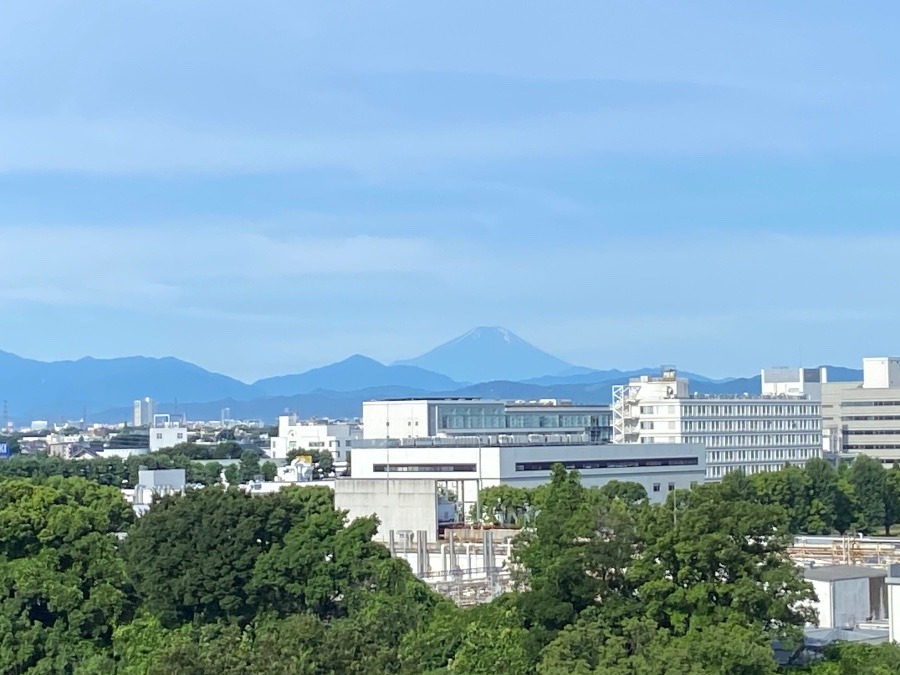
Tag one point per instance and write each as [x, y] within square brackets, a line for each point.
[864, 417]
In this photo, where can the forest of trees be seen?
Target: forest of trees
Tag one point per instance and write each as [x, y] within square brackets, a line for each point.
[216, 581]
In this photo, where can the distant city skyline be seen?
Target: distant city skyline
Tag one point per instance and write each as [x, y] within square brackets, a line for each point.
[621, 185]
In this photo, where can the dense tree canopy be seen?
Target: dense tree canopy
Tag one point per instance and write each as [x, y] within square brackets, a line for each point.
[217, 581]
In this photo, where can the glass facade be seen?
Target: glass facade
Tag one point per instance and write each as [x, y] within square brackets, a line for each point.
[473, 416]
[469, 416]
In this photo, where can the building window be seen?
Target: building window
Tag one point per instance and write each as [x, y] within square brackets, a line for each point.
[422, 468]
[671, 486]
[656, 487]
[589, 464]
[159, 437]
[179, 436]
[347, 443]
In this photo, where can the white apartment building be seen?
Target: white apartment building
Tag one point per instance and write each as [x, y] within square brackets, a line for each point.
[864, 417]
[467, 464]
[336, 437]
[752, 433]
[440, 417]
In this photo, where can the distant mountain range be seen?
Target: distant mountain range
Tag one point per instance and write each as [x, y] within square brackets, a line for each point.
[485, 362]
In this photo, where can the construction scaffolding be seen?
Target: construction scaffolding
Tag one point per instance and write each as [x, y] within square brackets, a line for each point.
[464, 569]
[845, 550]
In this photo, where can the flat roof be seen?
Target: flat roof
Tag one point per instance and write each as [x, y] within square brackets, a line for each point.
[843, 572]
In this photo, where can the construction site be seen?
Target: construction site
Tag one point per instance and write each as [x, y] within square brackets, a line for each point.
[467, 565]
[810, 551]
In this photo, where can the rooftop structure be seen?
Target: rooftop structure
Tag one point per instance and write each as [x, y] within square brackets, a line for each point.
[793, 382]
[429, 417]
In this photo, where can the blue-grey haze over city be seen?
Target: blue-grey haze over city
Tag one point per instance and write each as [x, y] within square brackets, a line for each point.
[263, 189]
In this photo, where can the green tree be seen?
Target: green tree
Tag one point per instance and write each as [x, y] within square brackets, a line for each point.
[232, 474]
[496, 647]
[192, 556]
[789, 489]
[249, 467]
[576, 552]
[628, 491]
[859, 659]
[724, 559]
[868, 480]
[326, 463]
[268, 471]
[63, 587]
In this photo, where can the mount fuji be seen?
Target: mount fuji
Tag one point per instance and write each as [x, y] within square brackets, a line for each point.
[489, 353]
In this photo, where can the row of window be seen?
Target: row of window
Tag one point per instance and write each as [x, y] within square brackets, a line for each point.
[452, 422]
[755, 440]
[721, 471]
[872, 432]
[753, 425]
[425, 468]
[783, 454]
[870, 418]
[593, 464]
[863, 404]
[872, 446]
[739, 409]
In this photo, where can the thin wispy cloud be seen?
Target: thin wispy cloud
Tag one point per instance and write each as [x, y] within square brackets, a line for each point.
[623, 184]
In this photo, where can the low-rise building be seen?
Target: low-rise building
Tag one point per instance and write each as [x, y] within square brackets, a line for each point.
[338, 438]
[848, 595]
[465, 465]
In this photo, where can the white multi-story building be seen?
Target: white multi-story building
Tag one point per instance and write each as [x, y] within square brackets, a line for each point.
[336, 437]
[864, 417]
[164, 433]
[752, 433]
[437, 417]
[467, 464]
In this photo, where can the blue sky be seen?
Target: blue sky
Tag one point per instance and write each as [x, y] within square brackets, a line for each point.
[262, 188]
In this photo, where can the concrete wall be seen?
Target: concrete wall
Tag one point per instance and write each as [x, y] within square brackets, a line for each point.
[404, 504]
[167, 437]
[881, 373]
[893, 586]
[153, 478]
[824, 605]
[843, 603]
[396, 419]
